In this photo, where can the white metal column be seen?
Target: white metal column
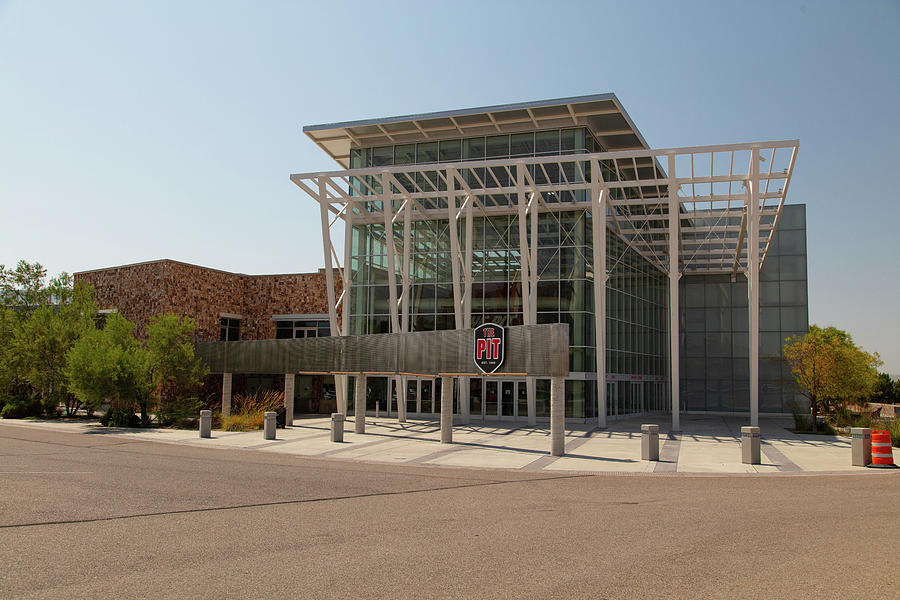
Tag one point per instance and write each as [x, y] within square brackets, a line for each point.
[345, 294]
[526, 266]
[598, 231]
[674, 275]
[328, 248]
[753, 283]
[454, 248]
[465, 382]
[400, 381]
[388, 212]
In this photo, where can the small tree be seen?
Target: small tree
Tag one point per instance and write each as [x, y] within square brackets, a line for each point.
[110, 364]
[884, 389]
[42, 335]
[22, 291]
[830, 369]
[176, 372]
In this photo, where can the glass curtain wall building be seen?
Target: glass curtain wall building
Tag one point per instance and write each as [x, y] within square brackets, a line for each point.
[636, 332]
[487, 215]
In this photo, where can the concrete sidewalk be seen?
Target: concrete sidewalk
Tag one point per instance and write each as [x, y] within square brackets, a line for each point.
[706, 444]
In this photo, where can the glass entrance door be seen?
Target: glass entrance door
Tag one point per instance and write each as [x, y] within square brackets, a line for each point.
[425, 397]
[491, 398]
[635, 398]
[507, 400]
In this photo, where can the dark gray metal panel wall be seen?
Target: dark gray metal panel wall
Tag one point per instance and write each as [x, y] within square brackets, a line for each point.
[539, 350]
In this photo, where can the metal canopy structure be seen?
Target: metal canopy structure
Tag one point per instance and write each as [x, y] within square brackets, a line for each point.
[715, 188]
[692, 210]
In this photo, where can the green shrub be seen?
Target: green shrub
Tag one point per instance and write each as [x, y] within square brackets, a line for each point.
[120, 418]
[842, 417]
[182, 413]
[20, 408]
[803, 424]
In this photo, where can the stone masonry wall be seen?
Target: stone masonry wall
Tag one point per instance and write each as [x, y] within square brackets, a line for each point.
[143, 290]
[137, 292]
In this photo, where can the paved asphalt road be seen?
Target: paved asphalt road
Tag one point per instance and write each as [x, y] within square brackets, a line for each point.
[98, 516]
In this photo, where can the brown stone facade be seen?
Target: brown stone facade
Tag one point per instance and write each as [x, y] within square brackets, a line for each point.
[140, 291]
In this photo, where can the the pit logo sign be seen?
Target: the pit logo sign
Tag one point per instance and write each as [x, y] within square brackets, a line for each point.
[490, 342]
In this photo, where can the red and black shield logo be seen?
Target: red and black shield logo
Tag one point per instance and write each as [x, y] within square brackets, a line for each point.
[490, 342]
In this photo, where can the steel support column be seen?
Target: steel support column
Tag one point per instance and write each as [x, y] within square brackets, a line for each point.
[345, 294]
[388, 211]
[400, 381]
[526, 266]
[753, 283]
[328, 249]
[674, 276]
[598, 232]
[531, 382]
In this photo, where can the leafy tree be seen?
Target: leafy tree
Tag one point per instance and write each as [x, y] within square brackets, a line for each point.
[23, 287]
[830, 369]
[21, 291]
[39, 324]
[176, 372]
[884, 389]
[110, 364]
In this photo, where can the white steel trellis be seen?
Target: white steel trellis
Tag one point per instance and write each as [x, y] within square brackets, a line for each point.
[704, 214]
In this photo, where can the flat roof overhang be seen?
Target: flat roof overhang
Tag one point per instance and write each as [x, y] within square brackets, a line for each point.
[602, 114]
[713, 189]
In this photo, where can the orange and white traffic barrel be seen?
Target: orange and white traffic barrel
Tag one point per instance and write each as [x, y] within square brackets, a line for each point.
[882, 454]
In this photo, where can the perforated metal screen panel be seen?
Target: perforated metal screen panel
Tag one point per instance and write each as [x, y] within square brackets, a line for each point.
[538, 350]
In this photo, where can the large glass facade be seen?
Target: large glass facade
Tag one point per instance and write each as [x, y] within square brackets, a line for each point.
[715, 366]
[636, 332]
[713, 317]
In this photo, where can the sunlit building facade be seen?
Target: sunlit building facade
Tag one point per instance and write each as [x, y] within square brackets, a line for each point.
[489, 215]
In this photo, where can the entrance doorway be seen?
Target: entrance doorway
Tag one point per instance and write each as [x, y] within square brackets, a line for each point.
[498, 399]
[626, 398]
[423, 397]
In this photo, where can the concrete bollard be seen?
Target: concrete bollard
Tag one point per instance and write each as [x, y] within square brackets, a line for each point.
[269, 425]
[377, 408]
[750, 445]
[861, 446]
[649, 442]
[557, 416]
[337, 427]
[206, 423]
[446, 410]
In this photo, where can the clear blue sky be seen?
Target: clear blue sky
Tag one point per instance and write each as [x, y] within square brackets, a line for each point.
[131, 131]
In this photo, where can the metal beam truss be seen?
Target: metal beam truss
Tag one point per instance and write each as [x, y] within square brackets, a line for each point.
[712, 205]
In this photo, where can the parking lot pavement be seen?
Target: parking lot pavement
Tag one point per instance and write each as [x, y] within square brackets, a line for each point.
[93, 514]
